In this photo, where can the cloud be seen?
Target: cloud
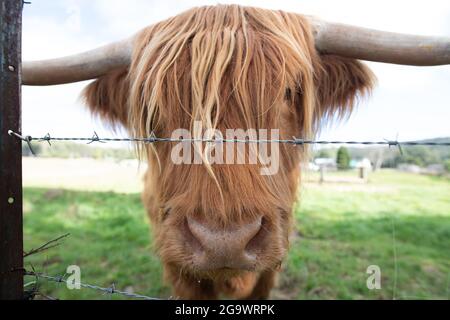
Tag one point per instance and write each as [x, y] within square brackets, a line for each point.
[73, 21]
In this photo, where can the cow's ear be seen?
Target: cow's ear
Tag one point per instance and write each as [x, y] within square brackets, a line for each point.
[107, 97]
[340, 82]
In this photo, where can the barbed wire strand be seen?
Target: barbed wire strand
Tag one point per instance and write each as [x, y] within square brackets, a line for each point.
[111, 290]
[153, 138]
[48, 245]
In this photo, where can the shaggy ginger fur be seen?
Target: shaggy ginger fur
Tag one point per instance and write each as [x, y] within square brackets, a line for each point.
[227, 66]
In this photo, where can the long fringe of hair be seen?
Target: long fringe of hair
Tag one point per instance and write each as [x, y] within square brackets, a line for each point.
[223, 43]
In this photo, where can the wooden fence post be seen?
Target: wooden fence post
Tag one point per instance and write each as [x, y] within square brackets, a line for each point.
[322, 173]
[11, 236]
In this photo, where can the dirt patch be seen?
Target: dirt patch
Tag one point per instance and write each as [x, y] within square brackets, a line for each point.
[83, 174]
[53, 194]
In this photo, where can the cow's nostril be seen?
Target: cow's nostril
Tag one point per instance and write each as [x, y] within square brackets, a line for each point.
[189, 238]
[259, 240]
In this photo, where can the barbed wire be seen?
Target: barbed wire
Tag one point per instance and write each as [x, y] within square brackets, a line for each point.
[48, 245]
[111, 290]
[153, 138]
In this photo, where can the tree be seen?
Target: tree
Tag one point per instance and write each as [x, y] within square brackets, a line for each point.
[343, 159]
[418, 155]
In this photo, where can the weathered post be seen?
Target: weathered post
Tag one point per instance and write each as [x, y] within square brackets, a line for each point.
[11, 240]
[322, 173]
[363, 171]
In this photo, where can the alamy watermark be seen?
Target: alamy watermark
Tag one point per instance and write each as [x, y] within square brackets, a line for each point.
[231, 151]
[374, 280]
[73, 281]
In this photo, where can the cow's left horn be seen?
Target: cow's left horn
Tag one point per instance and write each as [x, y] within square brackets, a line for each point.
[380, 46]
[83, 66]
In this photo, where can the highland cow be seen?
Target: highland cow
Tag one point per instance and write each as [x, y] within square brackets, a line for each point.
[224, 229]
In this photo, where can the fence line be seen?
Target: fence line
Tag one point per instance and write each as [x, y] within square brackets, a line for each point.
[153, 138]
[111, 290]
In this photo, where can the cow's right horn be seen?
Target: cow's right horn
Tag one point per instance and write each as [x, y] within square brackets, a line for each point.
[78, 67]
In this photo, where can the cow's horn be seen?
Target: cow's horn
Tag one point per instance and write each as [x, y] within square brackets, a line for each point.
[380, 46]
[83, 66]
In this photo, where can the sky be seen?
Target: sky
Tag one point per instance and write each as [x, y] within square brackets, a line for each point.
[410, 103]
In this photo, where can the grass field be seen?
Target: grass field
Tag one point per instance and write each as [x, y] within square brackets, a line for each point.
[397, 221]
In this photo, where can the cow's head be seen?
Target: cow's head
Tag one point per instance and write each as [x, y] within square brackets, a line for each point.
[230, 67]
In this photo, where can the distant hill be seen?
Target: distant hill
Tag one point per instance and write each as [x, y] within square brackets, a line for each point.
[390, 157]
[64, 149]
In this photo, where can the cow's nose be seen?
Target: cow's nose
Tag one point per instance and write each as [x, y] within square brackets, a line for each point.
[235, 248]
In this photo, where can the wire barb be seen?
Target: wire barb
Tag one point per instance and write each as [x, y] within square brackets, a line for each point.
[95, 138]
[298, 141]
[46, 138]
[152, 138]
[395, 143]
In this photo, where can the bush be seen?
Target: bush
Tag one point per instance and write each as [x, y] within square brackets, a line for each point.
[343, 159]
[447, 165]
